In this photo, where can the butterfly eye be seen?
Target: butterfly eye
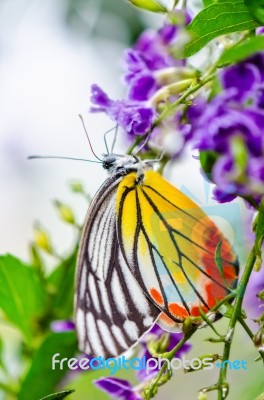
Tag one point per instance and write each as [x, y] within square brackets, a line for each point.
[109, 162]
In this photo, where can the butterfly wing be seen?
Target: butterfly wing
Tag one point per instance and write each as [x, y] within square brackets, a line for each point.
[112, 312]
[172, 246]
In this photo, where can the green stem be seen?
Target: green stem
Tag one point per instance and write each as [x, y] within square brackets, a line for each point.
[169, 356]
[233, 320]
[246, 327]
[250, 334]
[171, 107]
[224, 301]
[138, 140]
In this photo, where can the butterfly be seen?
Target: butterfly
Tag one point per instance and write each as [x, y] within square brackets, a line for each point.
[147, 254]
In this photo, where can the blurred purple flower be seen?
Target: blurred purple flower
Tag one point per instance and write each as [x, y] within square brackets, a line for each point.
[151, 53]
[157, 332]
[253, 304]
[260, 30]
[232, 126]
[62, 326]
[244, 77]
[117, 388]
[149, 67]
[134, 117]
[259, 97]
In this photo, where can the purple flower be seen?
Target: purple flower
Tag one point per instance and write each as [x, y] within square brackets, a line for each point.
[253, 304]
[117, 388]
[234, 130]
[150, 54]
[62, 326]
[259, 97]
[245, 77]
[156, 332]
[142, 87]
[134, 117]
[260, 30]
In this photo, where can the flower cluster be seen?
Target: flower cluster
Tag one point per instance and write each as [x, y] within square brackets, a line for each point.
[150, 75]
[231, 126]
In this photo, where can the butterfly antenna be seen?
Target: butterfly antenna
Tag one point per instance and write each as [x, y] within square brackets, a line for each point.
[63, 158]
[143, 144]
[112, 147]
[161, 156]
[81, 118]
[114, 140]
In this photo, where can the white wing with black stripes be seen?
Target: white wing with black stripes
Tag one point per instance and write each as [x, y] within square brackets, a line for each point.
[111, 310]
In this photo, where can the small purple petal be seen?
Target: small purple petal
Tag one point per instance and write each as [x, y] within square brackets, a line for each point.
[223, 197]
[254, 306]
[258, 60]
[138, 121]
[260, 30]
[243, 76]
[168, 32]
[62, 326]
[117, 388]
[142, 87]
[100, 98]
[259, 98]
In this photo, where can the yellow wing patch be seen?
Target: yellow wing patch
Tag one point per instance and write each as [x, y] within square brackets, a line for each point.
[170, 244]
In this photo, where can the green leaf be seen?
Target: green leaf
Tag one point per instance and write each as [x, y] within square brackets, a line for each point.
[240, 154]
[41, 378]
[218, 19]
[259, 235]
[61, 285]
[149, 5]
[219, 262]
[207, 3]
[207, 160]
[22, 294]
[241, 51]
[256, 8]
[58, 396]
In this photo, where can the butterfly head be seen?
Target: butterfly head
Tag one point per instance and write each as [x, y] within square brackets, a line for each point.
[121, 164]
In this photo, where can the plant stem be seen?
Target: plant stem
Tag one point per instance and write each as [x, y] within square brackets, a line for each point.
[171, 107]
[233, 320]
[250, 334]
[169, 356]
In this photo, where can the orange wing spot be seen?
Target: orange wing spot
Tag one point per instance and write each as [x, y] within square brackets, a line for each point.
[227, 252]
[195, 310]
[156, 296]
[166, 320]
[214, 292]
[211, 237]
[230, 273]
[177, 310]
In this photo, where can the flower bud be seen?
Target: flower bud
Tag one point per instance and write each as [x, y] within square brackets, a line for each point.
[65, 212]
[76, 187]
[42, 239]
[202, 396]
[156, 347]
[258, 263]
[150, 5]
